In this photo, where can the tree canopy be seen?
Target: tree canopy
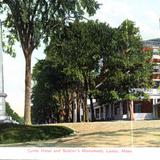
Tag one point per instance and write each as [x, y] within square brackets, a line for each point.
[80, 48]
[129, 68]
[29, 22]
[92, 59]
[75, 52]
[52, 92]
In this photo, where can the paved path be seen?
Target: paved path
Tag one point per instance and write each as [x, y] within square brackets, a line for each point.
[107, 134]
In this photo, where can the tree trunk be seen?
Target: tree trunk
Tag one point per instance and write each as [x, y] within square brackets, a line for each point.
[85, 99]
[27, 105]
[128, 110]
[131, 110]
[92, 108]
[78, 107]
[85, 109]
[72, 104]
[83, 106]
[67, 107]
[73, 107]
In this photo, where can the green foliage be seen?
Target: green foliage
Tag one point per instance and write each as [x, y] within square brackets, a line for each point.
[36, 19]
[72, 57]
[128, 67]
[50, 81]
[96, 60]
[79, 47]
[11, 133]
[29, 22]
[13, 114]
[44, 104]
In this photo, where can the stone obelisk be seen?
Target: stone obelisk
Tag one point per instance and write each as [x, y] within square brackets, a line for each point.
[3, 116]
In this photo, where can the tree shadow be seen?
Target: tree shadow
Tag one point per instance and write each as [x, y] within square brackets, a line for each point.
[116, 138]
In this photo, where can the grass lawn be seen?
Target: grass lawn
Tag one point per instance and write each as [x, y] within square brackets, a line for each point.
[96, 134]
[13, 133]
[145, 133]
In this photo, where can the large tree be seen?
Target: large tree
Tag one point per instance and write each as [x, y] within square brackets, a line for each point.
[80, 47]
[31, 21]
[128, 67]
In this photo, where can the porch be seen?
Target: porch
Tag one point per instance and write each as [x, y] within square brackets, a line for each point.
[143, 110]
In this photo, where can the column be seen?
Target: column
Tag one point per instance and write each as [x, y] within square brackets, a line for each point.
[154, 108]
[113, 111]
[109, 111]
[121, 109]
[2, 94]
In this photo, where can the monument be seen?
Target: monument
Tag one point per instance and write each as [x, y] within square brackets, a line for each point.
[3, 95]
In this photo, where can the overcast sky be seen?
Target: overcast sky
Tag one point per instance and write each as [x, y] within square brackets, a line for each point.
[145, 14]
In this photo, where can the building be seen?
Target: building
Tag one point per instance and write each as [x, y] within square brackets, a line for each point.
[142, 109]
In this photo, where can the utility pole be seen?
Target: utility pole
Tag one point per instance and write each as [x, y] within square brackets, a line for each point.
[3, 95]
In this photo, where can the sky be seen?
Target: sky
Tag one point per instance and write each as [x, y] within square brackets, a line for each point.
[144, 13]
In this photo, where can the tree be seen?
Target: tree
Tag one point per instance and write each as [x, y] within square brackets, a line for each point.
[45, 107]
[31, 21]
[52, 92]
[129, 68]
[79, 47]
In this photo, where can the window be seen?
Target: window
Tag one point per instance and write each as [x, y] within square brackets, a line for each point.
[117, 108]
[156, 84]
[154, 101]
[138, 108]
[156, 68]
[155, 51]
[102, 110]
[97, 113]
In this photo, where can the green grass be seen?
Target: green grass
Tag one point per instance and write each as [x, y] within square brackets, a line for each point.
[13, 133]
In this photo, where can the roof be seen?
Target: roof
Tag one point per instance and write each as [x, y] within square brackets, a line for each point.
[152, 42]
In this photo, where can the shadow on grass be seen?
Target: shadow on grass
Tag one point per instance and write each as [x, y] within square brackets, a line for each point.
[111, 138]
[146, 130]
[13, 133]
[82, 140]
[117, 138]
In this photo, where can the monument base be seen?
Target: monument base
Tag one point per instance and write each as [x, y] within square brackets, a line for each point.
[5, 119]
